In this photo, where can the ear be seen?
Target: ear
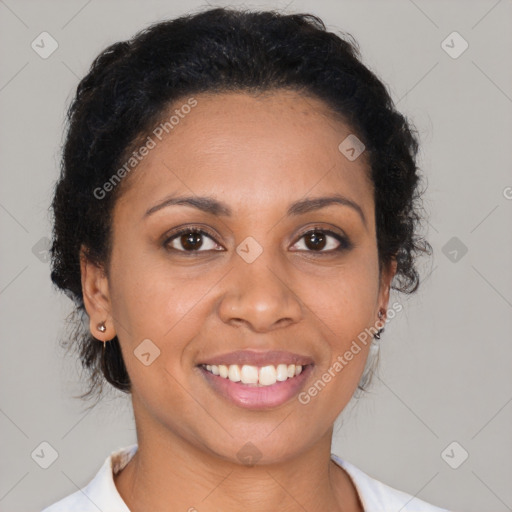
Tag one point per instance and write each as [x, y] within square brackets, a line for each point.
[96, 295]
[387, 275]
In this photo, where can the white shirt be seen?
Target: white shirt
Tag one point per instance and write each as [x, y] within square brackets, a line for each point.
[101, 493]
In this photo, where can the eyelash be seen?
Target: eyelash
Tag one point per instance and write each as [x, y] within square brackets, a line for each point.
[344, 243]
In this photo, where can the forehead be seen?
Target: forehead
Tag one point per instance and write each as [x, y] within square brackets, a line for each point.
[248, 150]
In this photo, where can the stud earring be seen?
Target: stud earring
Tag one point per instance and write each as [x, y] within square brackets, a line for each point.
[101, 327]
[377, 334]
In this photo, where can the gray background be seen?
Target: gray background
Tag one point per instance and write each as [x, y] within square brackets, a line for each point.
[445, 362]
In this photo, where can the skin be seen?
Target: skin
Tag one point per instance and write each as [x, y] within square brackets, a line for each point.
[257, 155]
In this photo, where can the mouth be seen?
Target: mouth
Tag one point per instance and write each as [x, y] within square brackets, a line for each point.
[253, 375]
[271, 379]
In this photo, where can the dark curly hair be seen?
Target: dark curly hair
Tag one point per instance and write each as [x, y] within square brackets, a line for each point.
[131, 84]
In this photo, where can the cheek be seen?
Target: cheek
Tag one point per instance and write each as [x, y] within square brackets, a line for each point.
[344, 310]
[345, 300]
[345, 306]
[152, 299]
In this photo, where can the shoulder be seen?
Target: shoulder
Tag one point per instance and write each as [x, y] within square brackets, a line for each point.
[100, 493]
[379, 497]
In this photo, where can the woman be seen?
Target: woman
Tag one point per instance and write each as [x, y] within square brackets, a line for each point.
[238, 196]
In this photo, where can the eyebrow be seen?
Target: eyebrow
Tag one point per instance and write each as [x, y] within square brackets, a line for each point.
[215, 207]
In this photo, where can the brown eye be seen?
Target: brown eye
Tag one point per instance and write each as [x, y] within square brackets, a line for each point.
[191, 240]
[323, 241]
[316, 240]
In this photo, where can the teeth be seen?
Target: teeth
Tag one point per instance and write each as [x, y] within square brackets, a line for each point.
[267, 375]
[249, 374]
[262, 376]
[282, 372]
[233, 373]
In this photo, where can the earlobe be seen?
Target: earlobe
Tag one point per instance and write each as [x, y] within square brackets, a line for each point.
[391, 273]
[385, 285]
[96, 296]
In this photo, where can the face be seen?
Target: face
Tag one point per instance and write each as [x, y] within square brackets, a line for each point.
[249, 271]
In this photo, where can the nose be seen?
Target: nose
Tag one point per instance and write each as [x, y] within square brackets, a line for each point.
[258, 296]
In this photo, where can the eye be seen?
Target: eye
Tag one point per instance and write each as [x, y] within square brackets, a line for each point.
[191, 240]
[323, 241]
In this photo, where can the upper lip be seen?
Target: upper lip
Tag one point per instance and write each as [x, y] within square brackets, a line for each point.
[258, 358]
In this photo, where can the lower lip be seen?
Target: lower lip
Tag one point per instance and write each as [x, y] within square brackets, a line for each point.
[250, 396]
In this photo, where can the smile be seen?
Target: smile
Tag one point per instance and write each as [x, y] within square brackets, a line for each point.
[255, 375]
[256, 387]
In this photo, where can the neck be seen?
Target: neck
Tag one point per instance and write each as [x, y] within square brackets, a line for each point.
[169, 473]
